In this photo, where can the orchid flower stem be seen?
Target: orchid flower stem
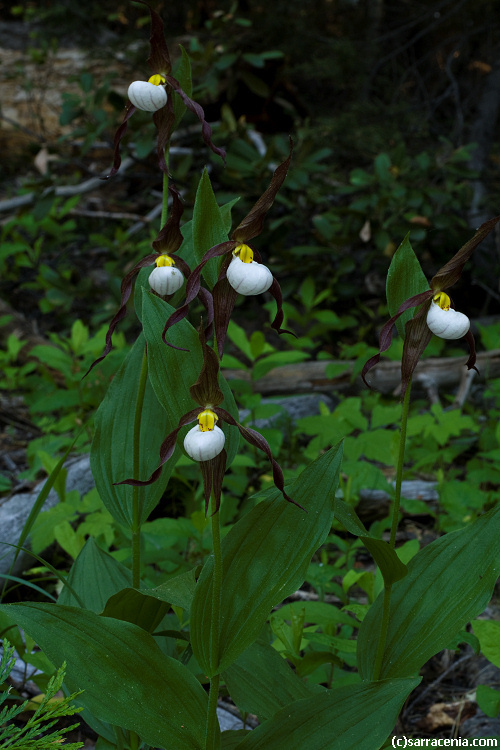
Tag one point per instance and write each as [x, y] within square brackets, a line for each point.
[119, 738]
[399, 470]
[213, 696]
[395, 517]
[164, 208]
[136, 526]
[211, 732]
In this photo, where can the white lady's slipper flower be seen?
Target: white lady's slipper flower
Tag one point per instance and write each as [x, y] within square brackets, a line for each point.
[445, 322]
[206, 440]
[165, 278]
[245, 275]
[150, 96]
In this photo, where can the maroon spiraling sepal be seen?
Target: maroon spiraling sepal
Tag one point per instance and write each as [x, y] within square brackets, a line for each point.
[417, 333]
[122, 129]
[126, 290]
[164, 120]
[159, 61]
[256, 439]
[169, 238]
[196, 109]
[208, 303]
[206, 389]
[252, 224]
[206, 300]
[450, 273]
[159, 57]
[417, 336]
[223, 293]
[167, 242]
[213, 474]
[193, 287]
[224, 300]
[471, 362]
[166, 450]
[385, 338]
[275, 291]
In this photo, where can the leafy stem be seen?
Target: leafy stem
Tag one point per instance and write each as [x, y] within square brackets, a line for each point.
[211, 733]
[395, 517]
[164, 207]
[399, 470]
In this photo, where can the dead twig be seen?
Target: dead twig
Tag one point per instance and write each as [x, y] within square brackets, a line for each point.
[436, 682]
[66, 191]
[113, 215]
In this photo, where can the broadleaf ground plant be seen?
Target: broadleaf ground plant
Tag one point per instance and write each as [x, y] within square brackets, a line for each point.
[143, 682]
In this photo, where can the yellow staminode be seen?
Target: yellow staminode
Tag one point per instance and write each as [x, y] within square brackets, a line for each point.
[244, 253]
[164, 260]
[442, 299]
[157, 79]
[207, 420]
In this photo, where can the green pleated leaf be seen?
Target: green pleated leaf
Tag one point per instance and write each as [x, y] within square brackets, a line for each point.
[311, 660]
[449, 582]
[265, 559]
[232, 738]
[178, 591]
[405, 278]
[488, 700]
[390, 565]
[94, 576]
[127, 680]
[488, 634]
[355, 717]
[146, 608]
[172, 372]
[209, 228]
[103, 744]
[320, 613]
[111, 456]
[261, 682]
[136, 607]
[225, 212]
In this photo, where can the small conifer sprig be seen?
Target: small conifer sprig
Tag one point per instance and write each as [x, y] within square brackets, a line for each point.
[45, 716]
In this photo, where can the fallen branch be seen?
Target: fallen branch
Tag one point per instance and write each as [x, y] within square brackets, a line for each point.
[113, 215]
[66, 191]
[307, 377]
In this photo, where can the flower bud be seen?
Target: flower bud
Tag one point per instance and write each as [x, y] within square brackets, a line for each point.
[249, 278]
[147, 96]
[165, 280]
[446, 322]
[202, 445]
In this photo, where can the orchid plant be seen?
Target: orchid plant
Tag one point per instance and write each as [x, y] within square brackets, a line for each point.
[151, 660]
[435, 312]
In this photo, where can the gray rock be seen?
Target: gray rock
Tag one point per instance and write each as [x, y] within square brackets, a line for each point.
[414, 489]
[227, 720]
[481, 726]
[14, 510]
